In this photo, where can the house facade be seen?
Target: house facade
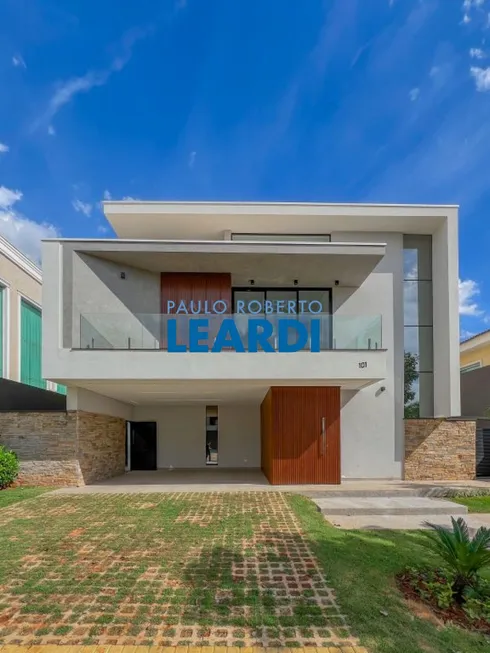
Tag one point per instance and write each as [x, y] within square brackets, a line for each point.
[21, 320]
[475, 352]
[273, 336]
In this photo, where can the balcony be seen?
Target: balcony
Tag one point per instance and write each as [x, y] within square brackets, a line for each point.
[177, 333]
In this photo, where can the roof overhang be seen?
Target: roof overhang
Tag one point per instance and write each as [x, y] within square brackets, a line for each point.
[265, 262]
[210, 220]
[156, 393]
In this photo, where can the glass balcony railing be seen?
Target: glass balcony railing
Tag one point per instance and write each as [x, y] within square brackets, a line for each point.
[316, 332]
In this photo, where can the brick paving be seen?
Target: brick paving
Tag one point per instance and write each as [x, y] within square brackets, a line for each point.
[170, 649]
[181, 569]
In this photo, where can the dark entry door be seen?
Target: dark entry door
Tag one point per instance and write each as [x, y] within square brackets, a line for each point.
[143, 445]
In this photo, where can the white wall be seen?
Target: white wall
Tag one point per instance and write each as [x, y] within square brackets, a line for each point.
[239, 435]
[110, 304]
[181, 434]
[92, 402]
[371, 419]
[445, 274]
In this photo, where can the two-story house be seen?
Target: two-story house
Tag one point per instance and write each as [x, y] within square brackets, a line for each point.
[134, 327]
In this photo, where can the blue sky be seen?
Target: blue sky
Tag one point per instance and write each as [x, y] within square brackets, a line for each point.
[318, 100]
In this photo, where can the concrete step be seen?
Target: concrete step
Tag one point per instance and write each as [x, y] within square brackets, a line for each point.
[404, 522]
[394, 505]
[398, 492]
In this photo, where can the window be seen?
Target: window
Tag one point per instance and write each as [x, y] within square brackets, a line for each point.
[299, 238]
[470, 367]
[249, 300]
[211, 435]
[30, 345]
[418, 326]
[2, 330]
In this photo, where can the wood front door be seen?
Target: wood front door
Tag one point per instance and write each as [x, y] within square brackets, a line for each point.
[301, 435]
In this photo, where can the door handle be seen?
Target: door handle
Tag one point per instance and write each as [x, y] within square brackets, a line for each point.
[324, 437]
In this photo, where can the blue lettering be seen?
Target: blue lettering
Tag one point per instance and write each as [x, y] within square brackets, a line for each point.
[301, 335]
[172, 345]
[259, 307]
[193, 311]
[280, 305]
[170, 306]
[315, 324]
[240, 306]
[228, 337]
[320, 307]
[302, 303]
[196, 335]
[182, 308]
[256, 337]
[215, 307]
[268, 307]
[292, 306]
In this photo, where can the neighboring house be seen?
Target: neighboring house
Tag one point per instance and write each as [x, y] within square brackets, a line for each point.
[21, 319]
[475, 393]
[383, 280]
[475, 352]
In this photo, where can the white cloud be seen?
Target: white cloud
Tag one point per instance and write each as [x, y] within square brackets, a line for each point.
[481, 77]
[468, 293]
[107, 195]
[477, 53]
[414, 94]
[18, 61]
[468, 5]
[8, 197]
[192, 159]
[67, 90]
[23, 233]
[82, 207]
[128, 198]
[51, 130]
[4, 148]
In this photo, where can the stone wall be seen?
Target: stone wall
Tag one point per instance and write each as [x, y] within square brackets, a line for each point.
[64, 448]
[440, 450]
[101, 446]
[46, 443]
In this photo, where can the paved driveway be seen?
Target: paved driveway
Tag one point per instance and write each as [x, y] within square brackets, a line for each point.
[206, 569]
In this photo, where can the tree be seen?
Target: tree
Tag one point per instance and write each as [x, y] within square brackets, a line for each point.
[411, 376]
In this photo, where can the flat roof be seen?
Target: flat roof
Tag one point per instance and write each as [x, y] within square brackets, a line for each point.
[210, 220]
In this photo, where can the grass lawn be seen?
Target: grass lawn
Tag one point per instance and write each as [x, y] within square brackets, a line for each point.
[361, 566]
[13, 495]
[206, 569]
[475, 504]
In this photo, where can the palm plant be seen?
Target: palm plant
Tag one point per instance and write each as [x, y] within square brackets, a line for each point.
[464, 555]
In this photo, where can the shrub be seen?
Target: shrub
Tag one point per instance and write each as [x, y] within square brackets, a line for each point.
[465, 556]
[9, 467]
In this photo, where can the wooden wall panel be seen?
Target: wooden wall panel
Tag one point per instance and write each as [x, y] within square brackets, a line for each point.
[190, 286]
[194, 287]
[300, 454]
